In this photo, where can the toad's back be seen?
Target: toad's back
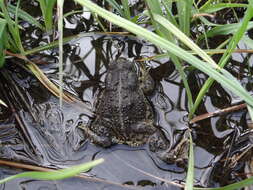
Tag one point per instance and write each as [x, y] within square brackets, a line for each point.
[123, 113]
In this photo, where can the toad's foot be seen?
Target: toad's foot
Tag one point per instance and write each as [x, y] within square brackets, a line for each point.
[161, 146]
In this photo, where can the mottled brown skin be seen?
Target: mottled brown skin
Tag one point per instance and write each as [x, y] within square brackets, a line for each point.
[123, 114]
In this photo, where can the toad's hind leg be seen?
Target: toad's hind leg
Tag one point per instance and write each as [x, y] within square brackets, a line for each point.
[99, 135]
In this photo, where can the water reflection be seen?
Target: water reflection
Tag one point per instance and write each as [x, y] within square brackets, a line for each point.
[54, 136]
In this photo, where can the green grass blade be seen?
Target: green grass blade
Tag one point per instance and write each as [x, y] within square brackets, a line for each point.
[10, 23]
[184, 13]
[187, 41]
[217, 7]
[234, 186]
[225, 29]
[156, 9]
[55, 175]
[126, 9]
[190, 172]
[46, 7]
[116, 6]
[43, 8]
[55, 43]
[25, 16]
[2, 41]
[165, 44]
[182, 74]
[207, 4]
[60, 33]
[232, 45]
[168, 7]
[49, 14]
[16, 30]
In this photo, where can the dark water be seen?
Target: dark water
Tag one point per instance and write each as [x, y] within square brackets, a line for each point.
[35, 130]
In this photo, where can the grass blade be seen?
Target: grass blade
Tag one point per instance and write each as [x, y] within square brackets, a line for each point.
[47, 7]
[187, 41]
[126, 9]
[14, 39]
[168, 8]
[225, 29]
[238, 185]
[2, 41]
[55, 175]
[190, 171]
[116, 6]
[165, 44]
[231, 47]
[25, 16]
[55, 43]
[184, 13]
[217, 7]
[155, 9]
[60, 33]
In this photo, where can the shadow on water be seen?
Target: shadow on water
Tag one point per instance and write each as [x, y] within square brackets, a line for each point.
[35, 130]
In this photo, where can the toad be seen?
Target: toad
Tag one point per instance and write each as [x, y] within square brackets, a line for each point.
[124, 115]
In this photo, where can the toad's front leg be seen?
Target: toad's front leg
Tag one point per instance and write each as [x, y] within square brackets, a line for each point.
[100, 135]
